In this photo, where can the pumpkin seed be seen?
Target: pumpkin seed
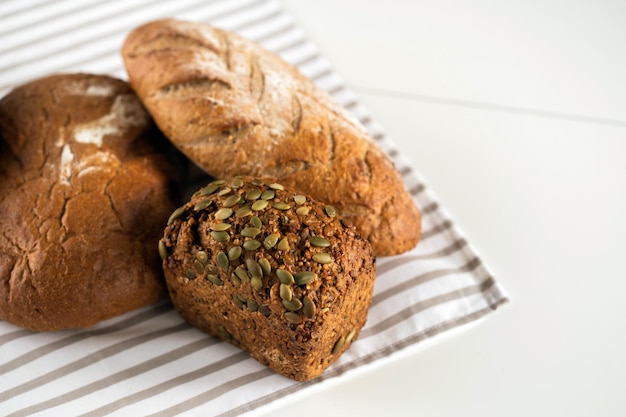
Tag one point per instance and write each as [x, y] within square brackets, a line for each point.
[234, 253]
[265, 310]
[285, 277]
[299, 199]
[308, 307]
[198, 266]
[224, 334]
[281, 206]
[277, 186]
[224, 191]
[202, 204]
[338, 345]
[350, 336]
[162, 250]
[347, 222]
[270, 240]
[256, 282]
[243, 211]
[218, 181]
[220, 227]
[283, 244]
[319, 241]
[250, 232]
[202, 256]
[302, 211]
[251, 245]
[223, 213]
[292, 305]
[285, 292]
[257, 181]
[237, 302]
[259, 205]
[268, 194]
[220, 236]
[209, 189]
[235, 279]
[231, 200]
[256, 222]
[322, 258]
[304, 277]
[237, 183]
[242, 274]
[265, 266]
[214, 279]
[222, 261]
[190, 274]
[254, 268]
[253, 194]
[252, 305]
[330, 211]
[176, 214]
[293, 317]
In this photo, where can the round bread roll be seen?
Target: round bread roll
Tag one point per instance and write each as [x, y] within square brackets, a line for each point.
[271, 271]
[84, 196]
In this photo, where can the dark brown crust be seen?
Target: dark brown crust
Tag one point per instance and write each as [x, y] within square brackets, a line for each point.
[84, 197]
[341, 291]
[237, 109]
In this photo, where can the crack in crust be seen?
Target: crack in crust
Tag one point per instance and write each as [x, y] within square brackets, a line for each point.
[332, 145]
[366, 167]
[190, 88]
[106, 192]
[257, 78]
[173, 40]
[296, 113]
[226, 49]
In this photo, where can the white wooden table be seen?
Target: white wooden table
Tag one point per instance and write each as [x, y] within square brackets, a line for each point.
[515, 115]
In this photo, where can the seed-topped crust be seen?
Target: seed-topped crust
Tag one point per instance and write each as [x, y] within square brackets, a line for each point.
[285, 303]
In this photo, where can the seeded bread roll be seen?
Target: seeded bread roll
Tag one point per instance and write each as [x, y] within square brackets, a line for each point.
[275, 273]
[236, 109]
[84, 196]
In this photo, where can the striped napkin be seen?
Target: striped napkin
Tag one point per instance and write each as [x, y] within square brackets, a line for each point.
[149, 361]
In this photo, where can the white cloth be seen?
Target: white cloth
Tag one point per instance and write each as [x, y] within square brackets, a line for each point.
[149, 361]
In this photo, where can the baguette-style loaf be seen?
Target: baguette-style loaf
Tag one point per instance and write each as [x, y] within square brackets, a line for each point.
[84, 197]
[236, 109]
[275, 273]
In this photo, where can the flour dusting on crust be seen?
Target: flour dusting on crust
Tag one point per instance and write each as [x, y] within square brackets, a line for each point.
[126, 112]
[100, 161]
[77, 88]
[102, 90]
[67, 160]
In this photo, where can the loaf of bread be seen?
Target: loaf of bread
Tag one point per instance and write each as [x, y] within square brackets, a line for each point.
[236, 109]
[84, 196]
[273, 272]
